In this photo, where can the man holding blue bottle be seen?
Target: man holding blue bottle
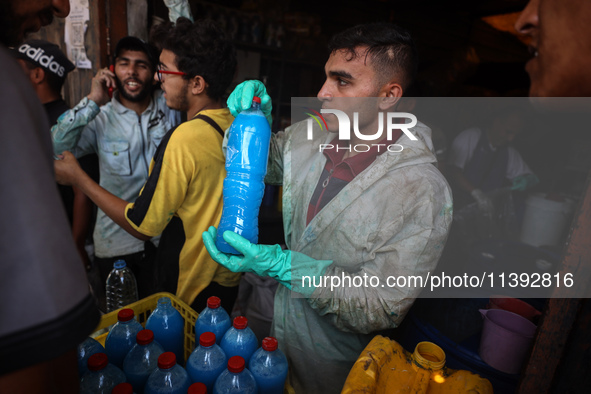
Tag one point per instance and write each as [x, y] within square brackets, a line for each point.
[347, 214]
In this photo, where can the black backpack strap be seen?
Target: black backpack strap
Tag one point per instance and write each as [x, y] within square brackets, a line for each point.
[211, 122]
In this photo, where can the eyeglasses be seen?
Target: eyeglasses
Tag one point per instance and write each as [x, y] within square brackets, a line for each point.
[159, 72]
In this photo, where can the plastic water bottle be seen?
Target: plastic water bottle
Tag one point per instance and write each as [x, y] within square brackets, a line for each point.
[236, 379]
[168, 378]
[121, 287]
[214, 319]
[101, 376]
[239, 340]
[122, 337]
[197, 388]
[207, 361]
[123, 388]
[142, 360]
[168, 327]
[246, 166]
[86, 349]
[269, 367]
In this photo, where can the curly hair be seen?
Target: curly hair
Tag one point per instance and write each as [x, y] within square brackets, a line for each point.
[202, 48]
[390, 47]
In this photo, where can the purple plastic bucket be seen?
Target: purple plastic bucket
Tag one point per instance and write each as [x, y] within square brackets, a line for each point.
[506, 339]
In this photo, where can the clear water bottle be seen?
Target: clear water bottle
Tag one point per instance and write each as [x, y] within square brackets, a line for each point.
[207, 361]
[123, 388]
[214, 319]
[269, 367]
[246, 167]
[122, 337]
[168, 378]
[101, 376]
[86, 349]
[239, 340]
[197, 388]
[142, 360]
[121, 287]
[168, 327]
[236, 379]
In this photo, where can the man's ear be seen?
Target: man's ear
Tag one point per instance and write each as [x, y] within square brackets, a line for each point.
[37, 75]
[389, 95]
[197, 85]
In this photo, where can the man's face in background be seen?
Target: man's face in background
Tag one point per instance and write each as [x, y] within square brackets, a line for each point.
[19, 17]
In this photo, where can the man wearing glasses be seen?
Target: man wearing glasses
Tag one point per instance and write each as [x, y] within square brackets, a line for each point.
[183, 195]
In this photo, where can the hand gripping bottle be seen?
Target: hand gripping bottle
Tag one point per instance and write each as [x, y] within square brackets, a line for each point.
[142, 360]
[268, 365]
[214, 319]
[168, 327]
[121, 287]
[123, 388]
[239, 340]
[197, 388]
[101, 376]
[236, 379]
[86, 349]
[246, 167]
[207, 361]
[168, 378]
[122, 337]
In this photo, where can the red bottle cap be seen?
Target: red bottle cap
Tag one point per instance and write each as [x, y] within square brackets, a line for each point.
[125, 314]
[166, 360]
[97, 361]
[213, 302]
[270, 344]
[207, 339]
[236, 364]
[197, 388]
[122, 388]
[240, 322]
[144, 337]
[256, 99]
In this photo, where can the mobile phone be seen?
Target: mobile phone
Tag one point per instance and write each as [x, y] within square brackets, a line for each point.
[112, 69]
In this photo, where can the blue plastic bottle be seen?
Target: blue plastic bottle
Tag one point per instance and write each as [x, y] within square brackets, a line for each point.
[86, 349]
[122, 337]
[168, 378]
[142, 360]
[207, 361]
[214, 319]
[236, 379]
[268, 365]
[123, 388]
[197, 388]
[239, 340]
[168, 327]
[101, 376]
[246, 166]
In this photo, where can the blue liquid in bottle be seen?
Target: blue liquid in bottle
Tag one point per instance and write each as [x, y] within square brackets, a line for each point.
[85, 350]
[246, 167]
[214, 319]
[239, 340]
[142, 360]
[122, 337]
[236, 379]
[207, 361]
[168, 378]
[168, 327]
[101, 376]
[269, 367]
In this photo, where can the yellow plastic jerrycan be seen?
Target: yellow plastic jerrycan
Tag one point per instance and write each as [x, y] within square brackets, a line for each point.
[385, 367]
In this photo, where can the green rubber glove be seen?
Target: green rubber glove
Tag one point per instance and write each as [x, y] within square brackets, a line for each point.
[285, 266]
[241, 98]
[524, 182]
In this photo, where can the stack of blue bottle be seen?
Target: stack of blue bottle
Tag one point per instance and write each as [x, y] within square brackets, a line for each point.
[214, 319]
[169, 377]
[122, 337]
[207, 361]
[101, 376]
[85, 350]
[269, 367]
[142, 360]
[239, 340]
[246, 166]
[167, 324]
[236, 379]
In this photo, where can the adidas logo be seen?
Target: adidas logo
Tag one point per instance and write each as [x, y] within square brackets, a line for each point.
[38, 55]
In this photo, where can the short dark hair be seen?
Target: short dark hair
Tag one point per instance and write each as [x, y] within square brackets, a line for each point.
[391, 48]
[135, 44]
[202, 49]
